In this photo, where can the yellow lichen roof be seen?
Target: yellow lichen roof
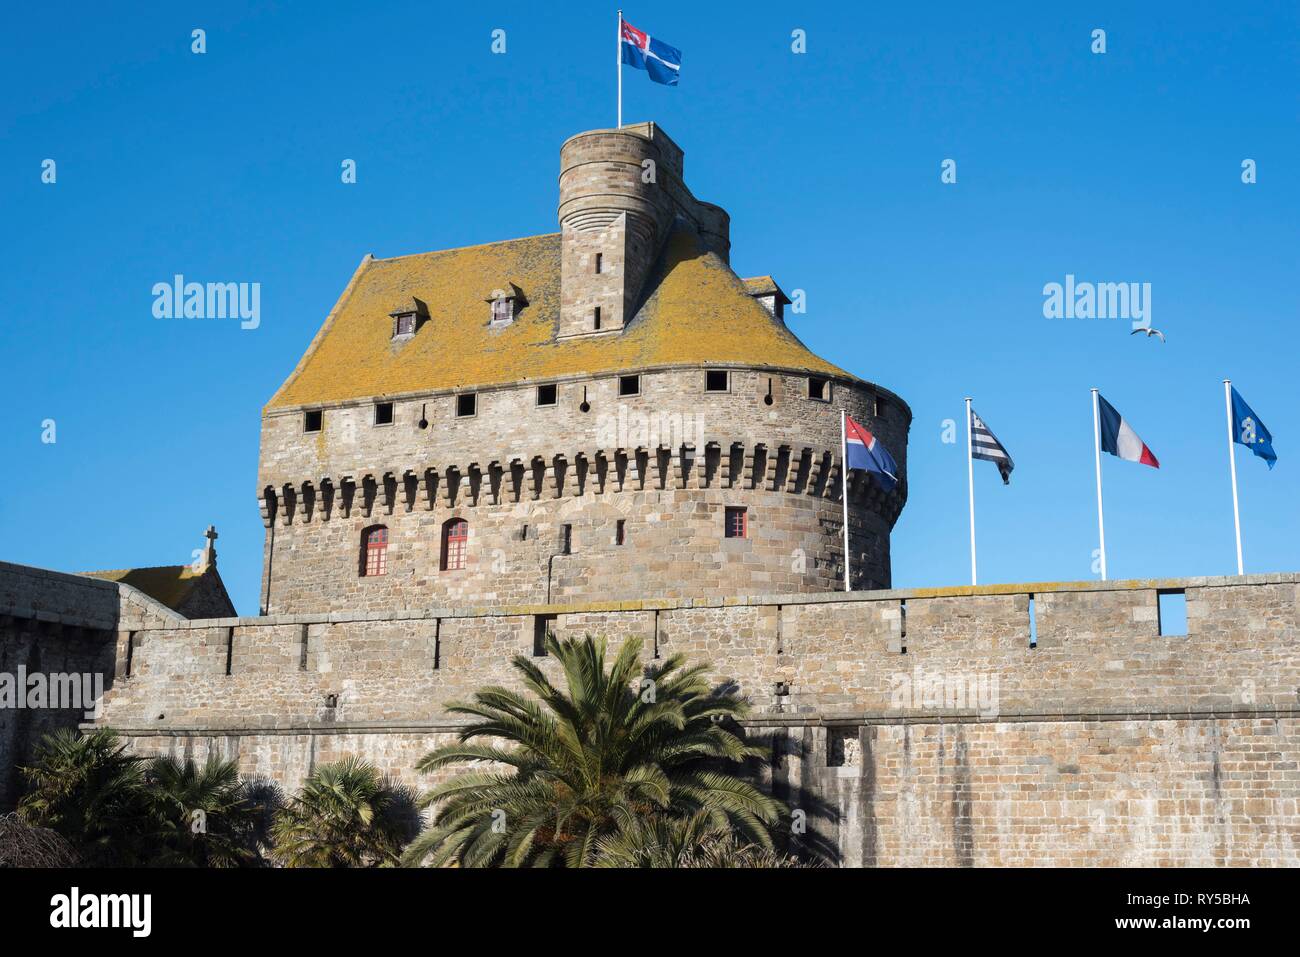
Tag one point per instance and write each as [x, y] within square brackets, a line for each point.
[698, 311]
[168, 584]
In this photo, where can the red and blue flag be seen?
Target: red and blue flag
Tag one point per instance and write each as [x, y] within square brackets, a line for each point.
[864, 451]
[644, 52]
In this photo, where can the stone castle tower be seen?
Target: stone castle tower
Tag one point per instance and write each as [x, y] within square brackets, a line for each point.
[605, 412]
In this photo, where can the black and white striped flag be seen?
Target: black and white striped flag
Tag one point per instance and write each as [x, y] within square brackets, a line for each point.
[985, 445]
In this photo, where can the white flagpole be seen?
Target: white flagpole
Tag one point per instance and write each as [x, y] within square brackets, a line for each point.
[1096, 435]
[970, 481]
[844, 491]
[1232, 460]
[618, 66]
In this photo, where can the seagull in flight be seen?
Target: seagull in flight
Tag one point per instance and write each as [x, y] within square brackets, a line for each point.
[1150, 332]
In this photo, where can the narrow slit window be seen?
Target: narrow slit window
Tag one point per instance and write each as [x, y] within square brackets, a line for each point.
[620, 531]
[595, 319]
[566, 540]
[600, 263]
[1033, 624]
[543, 625]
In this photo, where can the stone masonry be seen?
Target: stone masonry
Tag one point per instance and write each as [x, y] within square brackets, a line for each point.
[910, 727]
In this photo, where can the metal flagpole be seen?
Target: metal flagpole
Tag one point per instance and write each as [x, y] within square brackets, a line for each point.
[844, 491]
[1096, 435]
[618, 66]
[970, 480]
[1232, 459]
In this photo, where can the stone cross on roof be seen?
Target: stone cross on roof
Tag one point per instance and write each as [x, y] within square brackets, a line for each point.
[210, 549]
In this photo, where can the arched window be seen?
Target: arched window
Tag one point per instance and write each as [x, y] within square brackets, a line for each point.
[374, 551]
[455, 538]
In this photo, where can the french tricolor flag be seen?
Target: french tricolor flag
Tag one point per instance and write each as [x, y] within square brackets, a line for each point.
[1118, 437]
[864, 451]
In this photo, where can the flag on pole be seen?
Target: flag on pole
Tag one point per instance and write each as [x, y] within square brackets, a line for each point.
[1247, 430]
[644, 52]
[985, 446]
[864, 451]
[1118, 437]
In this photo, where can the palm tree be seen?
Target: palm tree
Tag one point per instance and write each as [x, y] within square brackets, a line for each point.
[585, 765]
[686, 843]
[347, 815]
[88, 789]
[205, 816]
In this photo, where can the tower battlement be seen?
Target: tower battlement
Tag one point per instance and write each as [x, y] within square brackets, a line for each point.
[468, 424]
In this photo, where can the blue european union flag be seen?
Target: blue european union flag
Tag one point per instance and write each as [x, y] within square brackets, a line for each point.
[1247, 430]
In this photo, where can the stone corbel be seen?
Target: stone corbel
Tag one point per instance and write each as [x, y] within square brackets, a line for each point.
[429, 480]
[267, 503]
[289, 500]
[410, 490]
[389, 489]
[327, 492]
[308, 502]
[474, 482]
[558, 471]
[581, 469]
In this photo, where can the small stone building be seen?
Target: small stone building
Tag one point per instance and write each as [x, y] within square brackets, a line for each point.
[604, 412]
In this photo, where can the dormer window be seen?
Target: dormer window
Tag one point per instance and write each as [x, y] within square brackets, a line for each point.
[407, 318]
[505, 302]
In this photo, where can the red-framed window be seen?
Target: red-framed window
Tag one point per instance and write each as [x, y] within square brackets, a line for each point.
[374, 551]
[737, 520]
[455, 542]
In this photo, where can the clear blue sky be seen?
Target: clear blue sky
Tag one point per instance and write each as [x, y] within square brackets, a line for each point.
[1117, 167]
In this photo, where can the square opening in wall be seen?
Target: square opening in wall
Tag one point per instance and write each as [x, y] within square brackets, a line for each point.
[715, 380]
[543, 625]
[546, 394]
[819, 389]
[1173, 612]
[311, 421]
[384, 413]
[466, 404]
[629, 385]
[737, 522]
